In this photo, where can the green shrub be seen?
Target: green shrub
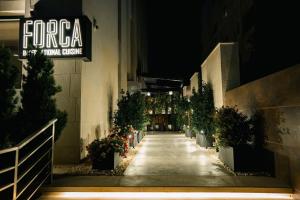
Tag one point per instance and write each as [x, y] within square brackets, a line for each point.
[181, 111]
[38, 102]
[131, 111]
[98, 150]
[202, 104]
[8, 101]
[233, 127]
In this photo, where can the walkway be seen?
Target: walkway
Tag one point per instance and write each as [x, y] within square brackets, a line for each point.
[175, 155]
[168, 163]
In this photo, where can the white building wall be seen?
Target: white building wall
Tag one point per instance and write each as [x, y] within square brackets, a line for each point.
[90, 90]
[125, 43]
[186, 91]
[221, 69]
[194, 82]
[67, 74]
[99, 82]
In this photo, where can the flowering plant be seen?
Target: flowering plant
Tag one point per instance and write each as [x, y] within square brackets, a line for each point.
[99, 150]
[125, 134]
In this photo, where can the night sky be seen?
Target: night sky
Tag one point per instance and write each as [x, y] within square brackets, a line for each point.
[174, 38]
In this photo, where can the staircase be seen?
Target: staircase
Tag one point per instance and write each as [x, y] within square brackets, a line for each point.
[165, 193]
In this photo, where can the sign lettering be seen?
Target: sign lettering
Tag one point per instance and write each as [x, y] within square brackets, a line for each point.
[57, 38]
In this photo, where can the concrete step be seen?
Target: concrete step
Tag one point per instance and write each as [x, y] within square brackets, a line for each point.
[165, 193]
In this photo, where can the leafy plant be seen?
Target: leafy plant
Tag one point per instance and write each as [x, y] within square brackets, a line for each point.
[203, 110]
[131, 111]
[8, 101]
[124, 135]
[233, 127]
[182, 111]
[99, 150]
[38, 102]
[162, 102]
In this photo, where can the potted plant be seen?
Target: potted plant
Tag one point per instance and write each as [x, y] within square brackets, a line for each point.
[105, 153]
[187, 131]
[234, 137]
[131, 115]
[203, 110]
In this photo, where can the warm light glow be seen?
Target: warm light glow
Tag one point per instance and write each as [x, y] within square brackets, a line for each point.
[148, 94]
[170, 195]
[13, 11]
[171, 93]
[190, 148]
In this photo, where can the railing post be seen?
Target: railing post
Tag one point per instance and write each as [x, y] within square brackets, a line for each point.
[52, 154]
[16, 174]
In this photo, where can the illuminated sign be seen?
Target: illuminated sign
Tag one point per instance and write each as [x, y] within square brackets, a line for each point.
[57, 38]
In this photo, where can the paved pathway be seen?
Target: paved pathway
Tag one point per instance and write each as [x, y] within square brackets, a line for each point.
[174, 154]
[165, 162]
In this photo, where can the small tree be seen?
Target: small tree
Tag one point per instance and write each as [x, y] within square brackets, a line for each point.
[202, 104]
[131, 111]
[181, 110]
[38, 102]
[8, 79]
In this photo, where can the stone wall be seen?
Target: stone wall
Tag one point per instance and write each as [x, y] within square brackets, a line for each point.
[186, 91]
[277, 98]
[194, 82]
[221, 70]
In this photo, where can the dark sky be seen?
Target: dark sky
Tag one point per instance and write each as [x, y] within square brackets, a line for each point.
[174, 37]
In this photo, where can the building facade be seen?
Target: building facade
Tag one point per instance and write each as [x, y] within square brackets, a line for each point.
[266, 31]
[271, 98]
[90, 90]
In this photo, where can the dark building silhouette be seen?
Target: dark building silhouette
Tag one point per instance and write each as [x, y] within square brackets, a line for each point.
[267, 33]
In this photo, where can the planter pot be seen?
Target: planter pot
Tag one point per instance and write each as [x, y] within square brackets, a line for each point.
[203, 141]
[139, 136]
[247, 159]
[150, 127]
[110, 162]
[188, 133]
[133, 141]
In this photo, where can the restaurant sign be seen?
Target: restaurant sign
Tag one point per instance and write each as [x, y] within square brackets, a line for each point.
[56, 37]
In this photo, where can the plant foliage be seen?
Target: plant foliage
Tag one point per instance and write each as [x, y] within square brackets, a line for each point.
[233, 127]
[8, 101]
[203, 110]
[131, 111]
[99, 150]
[182, 111]
[39, 89]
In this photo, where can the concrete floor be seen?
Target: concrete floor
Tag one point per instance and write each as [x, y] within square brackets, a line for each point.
[167, 163]
[167, 154]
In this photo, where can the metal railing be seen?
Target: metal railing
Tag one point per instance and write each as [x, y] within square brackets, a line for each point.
[27, 166]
